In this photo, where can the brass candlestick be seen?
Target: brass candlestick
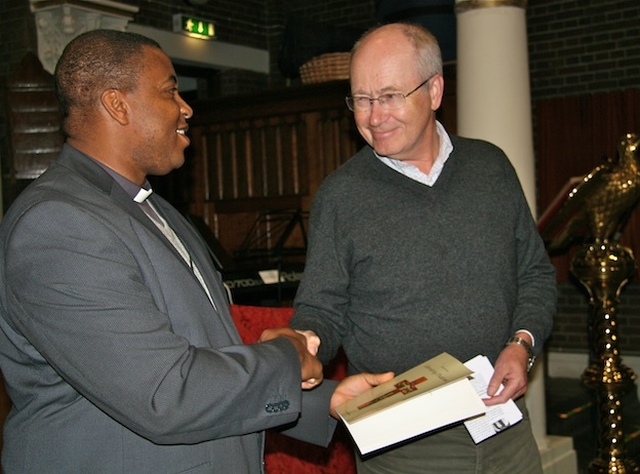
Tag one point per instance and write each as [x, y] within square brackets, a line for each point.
[604, 268]
[595, 211]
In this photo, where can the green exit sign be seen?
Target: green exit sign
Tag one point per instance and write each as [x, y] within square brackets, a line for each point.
[195, 27]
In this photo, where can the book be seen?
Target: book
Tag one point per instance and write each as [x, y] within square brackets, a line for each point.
[432, 395]
[497, 417]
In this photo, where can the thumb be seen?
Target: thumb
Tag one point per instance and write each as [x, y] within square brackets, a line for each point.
[377, 379]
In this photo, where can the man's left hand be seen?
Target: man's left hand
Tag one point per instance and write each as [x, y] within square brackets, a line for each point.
[510, 370]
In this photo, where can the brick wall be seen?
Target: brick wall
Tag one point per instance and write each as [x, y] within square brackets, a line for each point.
[570, 332]
[575, 47]
[583, 46]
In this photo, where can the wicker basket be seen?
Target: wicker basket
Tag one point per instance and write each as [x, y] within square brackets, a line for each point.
[326, 67]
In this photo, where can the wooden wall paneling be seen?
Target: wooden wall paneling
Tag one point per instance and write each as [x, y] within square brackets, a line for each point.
[302, 159]
[350, 138]
[233, 229]
[227, 162]
[315, 168]
[259, 165]
[241, 163]
[332, 139]
[34, 119]
[274, 157]
[290, 154]
[332, 125]
[251, 163]
[267, 152]
[34, 126]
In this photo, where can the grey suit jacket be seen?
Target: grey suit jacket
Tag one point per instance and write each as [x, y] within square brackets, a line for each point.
[113, 356]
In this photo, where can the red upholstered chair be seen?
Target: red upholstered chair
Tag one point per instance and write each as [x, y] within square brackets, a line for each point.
[283, 454]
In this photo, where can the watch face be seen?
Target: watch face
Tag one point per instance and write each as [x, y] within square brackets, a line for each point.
[532, 360]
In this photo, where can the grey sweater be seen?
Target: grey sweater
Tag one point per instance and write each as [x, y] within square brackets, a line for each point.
[398, 272]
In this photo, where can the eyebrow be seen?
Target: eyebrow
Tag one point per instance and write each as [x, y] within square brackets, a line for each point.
[171, 79]
[384, 90]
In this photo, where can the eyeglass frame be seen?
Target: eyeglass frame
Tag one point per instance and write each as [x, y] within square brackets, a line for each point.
[350, 98]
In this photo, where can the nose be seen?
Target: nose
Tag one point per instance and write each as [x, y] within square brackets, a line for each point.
[377, 113]
[185, 109]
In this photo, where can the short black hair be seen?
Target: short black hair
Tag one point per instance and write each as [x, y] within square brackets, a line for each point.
[95, 61]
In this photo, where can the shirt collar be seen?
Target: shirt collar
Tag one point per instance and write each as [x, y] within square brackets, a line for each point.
[410, 171]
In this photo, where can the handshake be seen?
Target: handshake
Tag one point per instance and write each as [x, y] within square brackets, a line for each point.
[307, 344]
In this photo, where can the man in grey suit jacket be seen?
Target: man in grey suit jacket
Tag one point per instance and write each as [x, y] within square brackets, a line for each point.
[117, 346]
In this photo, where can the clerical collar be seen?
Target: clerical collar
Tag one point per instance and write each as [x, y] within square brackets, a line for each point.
[143, 194]
[137, 193]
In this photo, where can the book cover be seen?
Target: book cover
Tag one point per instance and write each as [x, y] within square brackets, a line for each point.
[429, 396]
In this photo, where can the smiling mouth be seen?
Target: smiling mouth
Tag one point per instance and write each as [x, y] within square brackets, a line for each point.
[380, 134]
[183, 133]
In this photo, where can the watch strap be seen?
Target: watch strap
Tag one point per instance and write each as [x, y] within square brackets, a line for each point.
[527, 346]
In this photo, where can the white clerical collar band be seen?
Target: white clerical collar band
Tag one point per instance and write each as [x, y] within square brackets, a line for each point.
[142, 195]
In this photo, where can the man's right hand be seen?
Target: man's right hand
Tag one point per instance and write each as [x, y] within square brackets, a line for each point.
[313, 341]
[309, 363]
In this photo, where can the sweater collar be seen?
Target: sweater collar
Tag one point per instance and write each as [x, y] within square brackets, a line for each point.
[410, 171]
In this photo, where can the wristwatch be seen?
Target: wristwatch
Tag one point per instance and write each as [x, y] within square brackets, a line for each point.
[527, 346]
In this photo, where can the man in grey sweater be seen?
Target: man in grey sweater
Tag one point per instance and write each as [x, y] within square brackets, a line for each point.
[423, 243]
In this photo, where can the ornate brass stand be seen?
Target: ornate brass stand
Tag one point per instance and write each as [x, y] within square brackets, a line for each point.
[604, 268]
[596, 210]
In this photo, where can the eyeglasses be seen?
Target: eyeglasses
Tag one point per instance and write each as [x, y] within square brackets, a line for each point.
[362, 103]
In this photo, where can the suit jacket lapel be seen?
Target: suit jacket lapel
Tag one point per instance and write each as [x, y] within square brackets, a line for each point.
[197, 248]
[93, 173]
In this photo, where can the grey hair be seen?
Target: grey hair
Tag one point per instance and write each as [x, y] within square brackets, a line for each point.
[425, 45]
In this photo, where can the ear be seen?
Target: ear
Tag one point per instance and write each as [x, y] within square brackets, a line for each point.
[114, 102]
[436, 91]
